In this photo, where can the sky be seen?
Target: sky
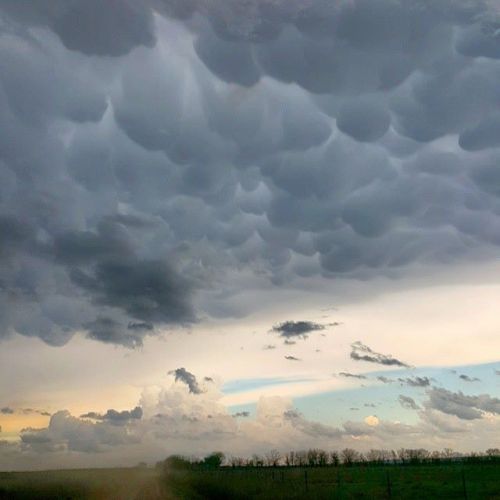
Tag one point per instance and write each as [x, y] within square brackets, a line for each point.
[247, 225]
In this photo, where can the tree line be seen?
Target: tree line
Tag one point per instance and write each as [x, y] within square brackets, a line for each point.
[316, 457]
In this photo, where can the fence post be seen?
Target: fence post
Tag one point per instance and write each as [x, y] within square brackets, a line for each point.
[463, 484]
[389, 489]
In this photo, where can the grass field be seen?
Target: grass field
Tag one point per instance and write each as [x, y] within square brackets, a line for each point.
[92, 484]
[481, 482]
[477, 481]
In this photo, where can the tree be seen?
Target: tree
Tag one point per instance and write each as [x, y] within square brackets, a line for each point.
[322, 458]
[177, 462]
[334, 458]
[214, 460]
[273, 458]
[349, 456]
[312, 457]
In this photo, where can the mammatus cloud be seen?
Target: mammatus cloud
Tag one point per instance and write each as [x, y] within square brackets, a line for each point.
[289, 139]
[182, 375]
[408, 403]
[361, 352]
[463, 406]
[296, 329]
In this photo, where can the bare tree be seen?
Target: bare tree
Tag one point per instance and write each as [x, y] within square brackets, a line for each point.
[493, 452]
[273, 458]
[322, 458]
[334, 458]
[349, 456]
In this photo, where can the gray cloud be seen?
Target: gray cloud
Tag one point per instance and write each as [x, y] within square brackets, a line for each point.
[385, 380]
[182, 375]
[408, 403]
[67, 433]
[292, 358]
[416, 381]
[310, 428]
[461, 405]
[116, 417]
[242, 414]
[6, 410]
[361, 352]
[351, 375]
[466, 378]
[129, 204]
[300, 329]
[110, 29]
[269, 347]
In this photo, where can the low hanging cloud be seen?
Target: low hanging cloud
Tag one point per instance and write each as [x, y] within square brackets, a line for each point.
[241, 414]
[361, 352]
[116, 417]
[6, 410]
[182, 375]
[385, 380]
[467, 378]
[352, 375]
[416, 381]
[461, 405]
[296, 329]
[408, 403]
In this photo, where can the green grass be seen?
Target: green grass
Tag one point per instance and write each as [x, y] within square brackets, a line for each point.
[482, 482]
[359, 482]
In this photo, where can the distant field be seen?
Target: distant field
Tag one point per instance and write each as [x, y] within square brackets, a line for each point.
[93, 484]
[478, 481]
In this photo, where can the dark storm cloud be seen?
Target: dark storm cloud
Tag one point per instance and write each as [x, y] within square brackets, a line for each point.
[361, 352]
[116, 417]
[290, 329]
[416, 381]
[89, 26]
[147, 164]
[408, 403]
[147, 290]
[461, 405]
[182, 375]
